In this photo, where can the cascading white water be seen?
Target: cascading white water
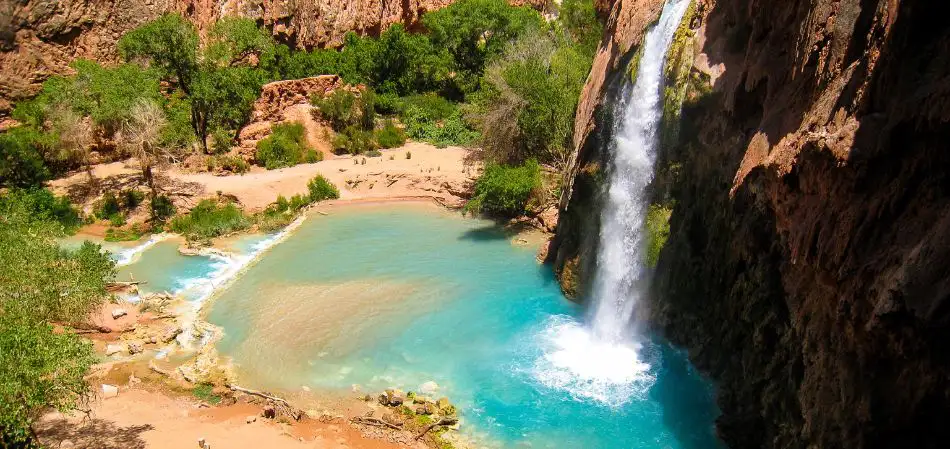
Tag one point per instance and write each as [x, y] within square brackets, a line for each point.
[618, 282]
[601, 362]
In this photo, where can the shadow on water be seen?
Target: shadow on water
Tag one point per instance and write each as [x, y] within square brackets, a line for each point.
[484, 234]
[688, 400]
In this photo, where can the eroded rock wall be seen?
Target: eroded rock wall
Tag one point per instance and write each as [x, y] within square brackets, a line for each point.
[808, 266]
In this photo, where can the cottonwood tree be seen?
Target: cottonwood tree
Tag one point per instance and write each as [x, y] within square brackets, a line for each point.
[142, 135]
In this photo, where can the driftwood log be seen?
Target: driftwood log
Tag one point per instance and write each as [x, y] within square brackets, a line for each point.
[441, 422]
[281, 406]
[375, 422]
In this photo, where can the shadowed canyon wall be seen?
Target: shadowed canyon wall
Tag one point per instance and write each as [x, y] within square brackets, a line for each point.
[39, 38]
[808, 265]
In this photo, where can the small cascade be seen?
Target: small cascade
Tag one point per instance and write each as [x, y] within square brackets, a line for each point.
[601, 361]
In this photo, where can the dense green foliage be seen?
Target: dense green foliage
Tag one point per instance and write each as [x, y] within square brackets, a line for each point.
[282, 212]
[344, 108]
[475, 31]
[42, 368]
[22, 163]
[41, 206]
[286, 146]
[162, 208]
[505, 190]
[321, 189]
[209, 219]
[390, 135]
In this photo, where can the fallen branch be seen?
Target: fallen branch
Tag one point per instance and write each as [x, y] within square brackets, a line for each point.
[442, 422]
[281, 405]
[375, 422]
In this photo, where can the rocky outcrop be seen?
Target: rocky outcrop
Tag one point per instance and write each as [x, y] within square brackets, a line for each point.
[39, 38]
[807, 267]
[283, 101]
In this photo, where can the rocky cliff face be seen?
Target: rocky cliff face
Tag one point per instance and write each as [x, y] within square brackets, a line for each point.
[39, 38]
[807, 267]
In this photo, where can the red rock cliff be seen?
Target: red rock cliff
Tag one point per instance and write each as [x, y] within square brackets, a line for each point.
[808, 266]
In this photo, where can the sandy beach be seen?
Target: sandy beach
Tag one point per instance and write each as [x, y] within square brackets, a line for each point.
[429, 173]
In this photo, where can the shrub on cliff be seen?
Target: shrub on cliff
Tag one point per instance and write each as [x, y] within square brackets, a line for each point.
[285, 147]
[658, 231]
[321, 189]
[209, 219]
[505, 190]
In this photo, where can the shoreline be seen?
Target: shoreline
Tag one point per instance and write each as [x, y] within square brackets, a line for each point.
[202, 361]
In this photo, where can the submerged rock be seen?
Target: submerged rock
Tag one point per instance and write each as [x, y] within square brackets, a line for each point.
[429, 387]
[135, 347]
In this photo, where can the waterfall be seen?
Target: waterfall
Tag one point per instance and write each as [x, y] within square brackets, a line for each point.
[619, 279]
[600, 361]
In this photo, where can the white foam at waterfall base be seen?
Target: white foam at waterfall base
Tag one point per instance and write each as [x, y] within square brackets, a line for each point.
[588, 368]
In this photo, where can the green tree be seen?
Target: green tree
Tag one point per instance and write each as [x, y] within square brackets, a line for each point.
[40, 283]
[475, 31]
[169, 44]
[21, 160]
[580, 20]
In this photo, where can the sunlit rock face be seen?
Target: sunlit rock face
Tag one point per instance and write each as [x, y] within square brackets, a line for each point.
[39, 38]
[806, 270]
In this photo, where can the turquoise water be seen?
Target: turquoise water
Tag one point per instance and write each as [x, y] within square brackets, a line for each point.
[400, 295]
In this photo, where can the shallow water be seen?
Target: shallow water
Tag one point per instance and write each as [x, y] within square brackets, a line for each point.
[398, 295]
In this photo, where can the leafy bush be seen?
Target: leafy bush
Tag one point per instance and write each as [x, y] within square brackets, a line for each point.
[390, 135]
[131, 198]
[205, 392]
[41, 205]
[162, 208]
[285, 147]
[210, 218]
[21, 161]
[505, 190]
[422, 125]
[108, 207]
[228, 162]
[320, 189]
[344, 109]
[123, 235]
[353, 140]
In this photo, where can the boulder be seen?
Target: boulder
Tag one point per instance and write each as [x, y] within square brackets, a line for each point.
[109, 391]
[426, 408]
[135, 347]
[170, 334]
[114, 349]
[119, 313]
